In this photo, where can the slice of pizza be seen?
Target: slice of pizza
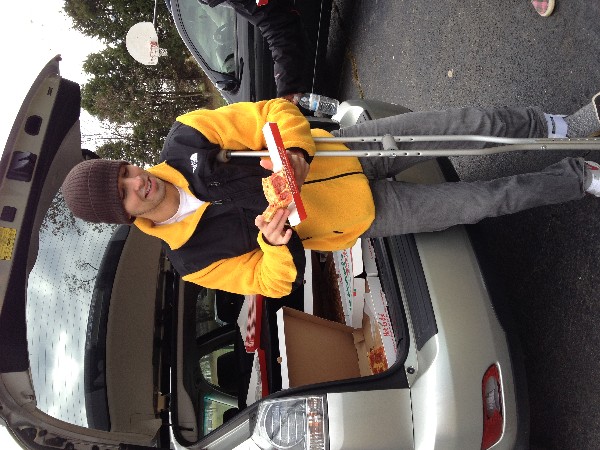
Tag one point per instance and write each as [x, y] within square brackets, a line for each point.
[377, 360]
[277, 192]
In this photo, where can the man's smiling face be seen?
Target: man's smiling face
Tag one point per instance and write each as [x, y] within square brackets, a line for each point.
[141, 192]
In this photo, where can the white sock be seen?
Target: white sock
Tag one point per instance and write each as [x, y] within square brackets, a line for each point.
[593, 178]
[557, 126]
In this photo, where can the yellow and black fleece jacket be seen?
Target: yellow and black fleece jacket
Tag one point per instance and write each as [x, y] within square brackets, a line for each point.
[219, 246]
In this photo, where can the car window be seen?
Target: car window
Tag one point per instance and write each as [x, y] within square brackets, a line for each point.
[60, 291]
[205, 310]
[212, 32]
[215, 408]
[208, 365]
[214, 413]
[210, 360]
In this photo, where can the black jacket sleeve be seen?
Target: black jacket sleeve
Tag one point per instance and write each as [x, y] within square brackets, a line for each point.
[281, 26]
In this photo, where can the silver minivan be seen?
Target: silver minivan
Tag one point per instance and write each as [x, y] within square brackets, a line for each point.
[103, 346]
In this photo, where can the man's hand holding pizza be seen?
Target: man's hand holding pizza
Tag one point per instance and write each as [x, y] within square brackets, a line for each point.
[275, 232]
[272, 222]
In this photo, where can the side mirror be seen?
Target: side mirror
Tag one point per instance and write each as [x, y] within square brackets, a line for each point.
[230, 84]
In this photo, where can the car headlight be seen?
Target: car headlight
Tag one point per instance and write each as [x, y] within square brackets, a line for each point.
[298, 423]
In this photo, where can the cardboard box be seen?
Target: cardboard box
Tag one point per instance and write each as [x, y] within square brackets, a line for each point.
[258, 386]
[357, 258]
[315, 350]
[250, 322]
[368, 255]
[308, 283]
[242, 319]
[342, 261]
[358, 302]
[281, 162]
[377, 309]
[348, 264]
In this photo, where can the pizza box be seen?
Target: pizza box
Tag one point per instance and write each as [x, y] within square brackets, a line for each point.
[314, 350]
[368, 255]
[242, 319]
[281, 162]
[357, 258]
[258, 386]
[376, 307]
[358, 302]
[348, 264]
[250, 323]
[308, 283]
[342, 262]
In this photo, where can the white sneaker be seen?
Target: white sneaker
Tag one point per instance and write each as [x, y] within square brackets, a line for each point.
[593, 170]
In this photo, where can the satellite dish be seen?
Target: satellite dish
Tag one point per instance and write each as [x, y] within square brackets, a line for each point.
[142, 44]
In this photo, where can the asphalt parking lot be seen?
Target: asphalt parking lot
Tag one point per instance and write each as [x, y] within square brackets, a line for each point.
[435, 55]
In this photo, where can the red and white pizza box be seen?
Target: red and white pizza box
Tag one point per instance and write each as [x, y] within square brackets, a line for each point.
[348, 264]
[368, 257]
[253, 322]
[377, 306]
[358, 302]
[281, 162]
[357, 258]
[242, 319]
[308, 283]
[342, 261]
[257, 388]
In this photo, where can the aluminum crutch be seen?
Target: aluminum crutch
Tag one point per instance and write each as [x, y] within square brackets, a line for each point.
[390, 148]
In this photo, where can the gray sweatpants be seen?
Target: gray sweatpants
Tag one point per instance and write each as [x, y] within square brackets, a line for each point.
[409, 208]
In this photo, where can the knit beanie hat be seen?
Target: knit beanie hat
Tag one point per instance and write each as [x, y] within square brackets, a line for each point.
[92, 194]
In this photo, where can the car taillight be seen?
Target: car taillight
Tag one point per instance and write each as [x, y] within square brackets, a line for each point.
[493, 414]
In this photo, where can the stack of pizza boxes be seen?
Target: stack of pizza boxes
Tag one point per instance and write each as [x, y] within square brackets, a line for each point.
[376, 305]
[362, 346]
[249, 322]
[361, 293]
[348, 266]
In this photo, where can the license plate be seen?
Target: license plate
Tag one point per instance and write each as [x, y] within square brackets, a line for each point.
[7, 242]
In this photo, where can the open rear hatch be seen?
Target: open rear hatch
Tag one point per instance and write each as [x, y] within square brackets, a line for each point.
[81, 328]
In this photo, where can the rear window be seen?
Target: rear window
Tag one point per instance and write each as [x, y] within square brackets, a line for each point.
[59, 298]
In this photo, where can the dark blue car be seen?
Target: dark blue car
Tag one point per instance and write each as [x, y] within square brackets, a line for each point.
[235, 54]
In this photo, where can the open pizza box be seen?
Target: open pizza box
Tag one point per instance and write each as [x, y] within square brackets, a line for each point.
[315, 350]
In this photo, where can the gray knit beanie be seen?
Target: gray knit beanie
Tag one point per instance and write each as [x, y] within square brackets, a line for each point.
[91, 192]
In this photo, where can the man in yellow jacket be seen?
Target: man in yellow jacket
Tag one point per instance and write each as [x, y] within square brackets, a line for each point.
[208, 213]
